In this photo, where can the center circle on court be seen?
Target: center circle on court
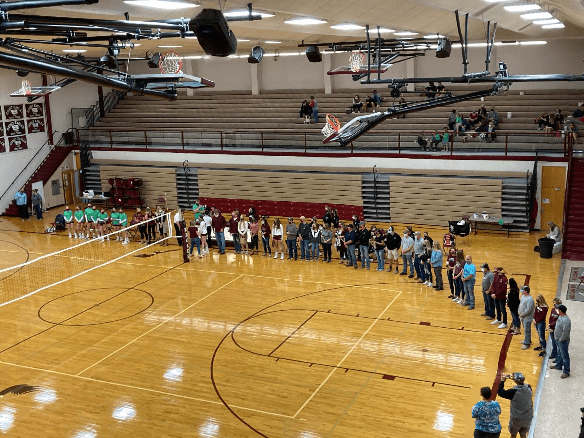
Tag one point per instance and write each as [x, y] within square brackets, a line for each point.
[95, 306]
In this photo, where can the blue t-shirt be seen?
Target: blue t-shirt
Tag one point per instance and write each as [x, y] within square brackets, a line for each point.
[486, 415]
[469, 269]
[350, 236]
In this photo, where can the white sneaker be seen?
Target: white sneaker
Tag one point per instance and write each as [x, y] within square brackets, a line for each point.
[75, 235]
[107, 238]
[70, 236]
[276, 256]
[502, 326]
[430, 284]
[282, 258]
[125, 242]
[495, 322]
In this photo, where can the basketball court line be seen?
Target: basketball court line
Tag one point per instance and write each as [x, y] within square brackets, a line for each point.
[346, 356]
[159, 325]
[140, 388]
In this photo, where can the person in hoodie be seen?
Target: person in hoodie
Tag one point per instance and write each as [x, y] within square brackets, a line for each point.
[526, 310]
[521, 396]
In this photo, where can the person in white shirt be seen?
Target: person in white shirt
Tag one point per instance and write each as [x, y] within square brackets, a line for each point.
[203, 235]
[243, 230]
[277, 239]
[178, 221]
[208, 220]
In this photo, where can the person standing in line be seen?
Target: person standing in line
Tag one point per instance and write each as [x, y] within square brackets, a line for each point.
[277, 238]
[363, 238]
[468, 278]
[162, 226]
[291, 237]
[554, 315]
[486, 286]
[521, 396]
[457, 278]
[219, 223]
[254, 229]
[314, 239]
[208, 220]
[151, 225]
[21, 203]
[314, 105]
[266, 233]
[203, 236]
[79, 222]
[139, 218]
[304, 239]
[350, 240]
[243, 230]
[115, 221]
[234, 231]
[340, 242]
[526, 310]
[94, 219]
[407, 248]
[436, 262]
[486, 414]
[380, 249]
[195, 240]
[68, 215]
[124, 224]
[562, 335]
[392, 243]
[37, 203]
[102, 219]
[499, 295]
[513, 304]
[539, 316]
[327, 242]
[419, 248]
[450, 263]
[88, 214]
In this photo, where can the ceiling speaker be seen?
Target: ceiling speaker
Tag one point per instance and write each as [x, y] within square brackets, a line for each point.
[256, 55]
[313, 54]
[213, 33]
[154, 60]
[444, 48]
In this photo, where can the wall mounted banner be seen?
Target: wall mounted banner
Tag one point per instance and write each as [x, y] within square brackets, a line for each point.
[34, 110]
[2, 145]
[15, 127]
[13, 112]
[1, 130]
[17, 143]
[35, 125]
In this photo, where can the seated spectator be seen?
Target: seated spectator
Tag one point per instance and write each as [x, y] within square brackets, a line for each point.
[357, 104]
[422, 142]
[440, 89]
[458, 126]
[490, 133]
[579, 112]
[572, 131]
[436, 140]
[542, 121]
[483, 110]
[314, 105]
[473, 118]
[431, 90]
[452, 119]
[493, 116]
[558, 120]
[373, 101]
[305, 109]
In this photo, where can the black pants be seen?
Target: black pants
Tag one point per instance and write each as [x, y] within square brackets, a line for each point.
[449, 274]
[38, 210]
[326, 249]
[500, 307]
[151, 232]
[178, 235]
[342, 251]
[481, 434]
[23, 211]
[266, 242]
[209, 237]
[254, 242]
[143, 233]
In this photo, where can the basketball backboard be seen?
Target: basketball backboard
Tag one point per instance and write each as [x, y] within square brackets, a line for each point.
[166, 81]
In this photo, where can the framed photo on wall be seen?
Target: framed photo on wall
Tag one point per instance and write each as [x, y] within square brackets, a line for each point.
[14, 127]
[2, 144]
[17, 143]
[34, 110]
[13, 112]
[35, 125]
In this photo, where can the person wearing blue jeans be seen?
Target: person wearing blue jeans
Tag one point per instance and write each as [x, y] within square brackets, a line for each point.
[219, 223]
[539, 316]
[419, 248]
[468, 279]
[350, 238]
[304, 238]
[407, 247]
[526, 310]
[220, 238]
[291, 237]
[554, 315]
[314, 104]
[562, 335]
[380, 250]
[363, 237]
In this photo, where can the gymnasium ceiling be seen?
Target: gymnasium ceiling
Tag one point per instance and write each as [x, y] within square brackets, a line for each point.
[423, 16]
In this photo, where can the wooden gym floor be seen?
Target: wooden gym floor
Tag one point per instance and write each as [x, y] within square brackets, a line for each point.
[240, 346]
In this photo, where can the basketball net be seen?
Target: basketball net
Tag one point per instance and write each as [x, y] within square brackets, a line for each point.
[170, 63]
[26, 88]
[332, 125]
[356, 60]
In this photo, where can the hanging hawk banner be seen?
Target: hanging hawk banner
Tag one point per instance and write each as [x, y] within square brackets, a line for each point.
[18, 143]
[14, 127]
[13, 112]
[2, 145]
[34, 110]
[35, 125]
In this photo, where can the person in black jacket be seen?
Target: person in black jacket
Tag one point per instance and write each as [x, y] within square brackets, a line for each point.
[363, 237]
[393, 244]
[304, 238]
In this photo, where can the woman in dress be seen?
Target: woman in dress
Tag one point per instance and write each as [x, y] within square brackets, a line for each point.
[266, 233]
[513, 304]
[277, 242]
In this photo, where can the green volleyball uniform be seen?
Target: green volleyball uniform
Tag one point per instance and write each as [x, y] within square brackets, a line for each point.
[79, 216]
[102, 217]
[89, 214]
[68, 215]
[115, 219]
[123, 219]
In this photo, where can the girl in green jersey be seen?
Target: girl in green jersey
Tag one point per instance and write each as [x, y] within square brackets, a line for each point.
[68, 215]
[79, 222]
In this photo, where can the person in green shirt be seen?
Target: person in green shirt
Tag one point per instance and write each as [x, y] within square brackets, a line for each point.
[123, 218]
[115, 218]
[445, 139]
[198, 210]
[80, 222]
[68, 215]
[102, 218]
[94, 213]
[88, 220]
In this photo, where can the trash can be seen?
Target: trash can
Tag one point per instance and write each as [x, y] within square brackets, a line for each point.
[546, 247]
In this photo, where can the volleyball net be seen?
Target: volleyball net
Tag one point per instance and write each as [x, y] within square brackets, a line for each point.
[26, 279]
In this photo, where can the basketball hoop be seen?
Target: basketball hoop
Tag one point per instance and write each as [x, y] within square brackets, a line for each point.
[356, 60]
[332, 125]
[26, 88]
[170, 63]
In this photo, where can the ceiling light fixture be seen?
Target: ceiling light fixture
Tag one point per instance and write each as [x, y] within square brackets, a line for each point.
[74, 50]
[553, 26]
[305, 21]
[434, 36]
[273, 42]
[548, 21]
[161, 4]
[405, 33]
[536, 15]
[237, 14]
[241, 40]
[523, 8]
[347, 26]
[532, 43]
[382, 30]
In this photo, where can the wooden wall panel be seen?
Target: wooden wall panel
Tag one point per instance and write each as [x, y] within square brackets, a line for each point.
[437, 200]
[281, 186]
[157, 182]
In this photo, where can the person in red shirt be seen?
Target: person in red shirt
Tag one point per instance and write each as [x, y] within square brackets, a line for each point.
[266, 233]
[499, 294]
[254, 230]
[554, 315]
[541, 310]
[194, 237]
[219, 223]
[233, 229]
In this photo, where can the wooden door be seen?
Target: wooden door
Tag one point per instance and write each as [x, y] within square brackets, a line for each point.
[553, 190]
[68, 186]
